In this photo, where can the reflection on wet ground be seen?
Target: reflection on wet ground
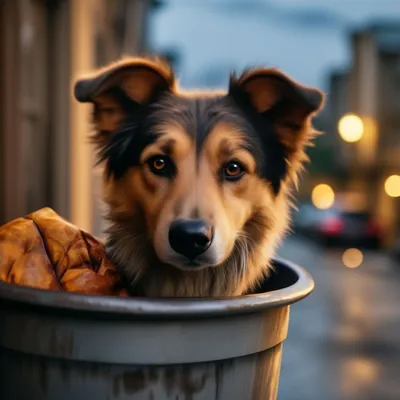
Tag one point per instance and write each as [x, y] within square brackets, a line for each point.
[344, 339]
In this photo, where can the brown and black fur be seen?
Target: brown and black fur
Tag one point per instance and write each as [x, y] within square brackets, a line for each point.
[264, 119]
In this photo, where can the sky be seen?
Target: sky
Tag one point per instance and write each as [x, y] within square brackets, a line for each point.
[305, 38]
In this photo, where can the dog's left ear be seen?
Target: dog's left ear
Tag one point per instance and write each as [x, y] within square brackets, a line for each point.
[286, 104]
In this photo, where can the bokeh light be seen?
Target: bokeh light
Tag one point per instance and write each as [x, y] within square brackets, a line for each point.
[392, 186]
[351, 128]
[352, 258]
[359, 371]
[323, 196]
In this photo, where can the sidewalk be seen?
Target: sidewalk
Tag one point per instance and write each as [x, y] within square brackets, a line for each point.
[344, 339]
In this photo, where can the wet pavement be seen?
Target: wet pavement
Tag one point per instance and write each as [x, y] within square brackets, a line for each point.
[344, 339]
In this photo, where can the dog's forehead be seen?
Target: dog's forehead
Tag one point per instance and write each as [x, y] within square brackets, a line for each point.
[198, 114]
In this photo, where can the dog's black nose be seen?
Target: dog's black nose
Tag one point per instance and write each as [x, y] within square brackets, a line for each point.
[190, 237]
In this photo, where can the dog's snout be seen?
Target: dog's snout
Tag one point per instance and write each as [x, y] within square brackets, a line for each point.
[190, 237]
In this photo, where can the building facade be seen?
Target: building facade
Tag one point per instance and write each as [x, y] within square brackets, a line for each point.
[45, 158]
[371, 89]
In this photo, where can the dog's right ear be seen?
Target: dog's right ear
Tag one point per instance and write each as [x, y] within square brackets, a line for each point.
[137, 81]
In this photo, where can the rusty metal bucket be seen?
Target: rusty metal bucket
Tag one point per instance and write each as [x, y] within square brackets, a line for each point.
[62, 346]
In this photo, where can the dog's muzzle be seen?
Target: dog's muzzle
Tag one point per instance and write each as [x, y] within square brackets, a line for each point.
[190, 237]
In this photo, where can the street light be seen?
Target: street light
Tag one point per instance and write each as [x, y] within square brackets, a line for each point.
[323, 196]
[351, 128]
[392, 186]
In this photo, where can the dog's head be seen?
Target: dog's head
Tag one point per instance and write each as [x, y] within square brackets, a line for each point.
[193, 178]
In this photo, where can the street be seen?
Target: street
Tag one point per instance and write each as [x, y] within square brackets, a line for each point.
[344, 339]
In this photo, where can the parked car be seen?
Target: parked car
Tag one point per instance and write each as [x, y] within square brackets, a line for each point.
[337, 226]
[306, 219]
[350, 228]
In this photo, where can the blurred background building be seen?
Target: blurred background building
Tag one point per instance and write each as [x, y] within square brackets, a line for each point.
[45, 157]
[370, 89]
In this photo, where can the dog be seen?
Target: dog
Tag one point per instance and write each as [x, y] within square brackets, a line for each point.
[197, 185]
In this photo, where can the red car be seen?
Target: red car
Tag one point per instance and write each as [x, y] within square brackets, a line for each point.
[348, 228]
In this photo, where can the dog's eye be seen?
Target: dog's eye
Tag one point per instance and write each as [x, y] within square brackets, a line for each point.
[232, 171]
[161, 165]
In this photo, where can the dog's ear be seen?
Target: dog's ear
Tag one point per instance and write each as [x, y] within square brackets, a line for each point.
[126, 83]
[286, 104]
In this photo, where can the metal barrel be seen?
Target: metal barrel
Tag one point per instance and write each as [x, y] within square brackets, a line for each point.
[63, 346]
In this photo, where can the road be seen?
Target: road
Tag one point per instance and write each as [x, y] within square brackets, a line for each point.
[344, 339]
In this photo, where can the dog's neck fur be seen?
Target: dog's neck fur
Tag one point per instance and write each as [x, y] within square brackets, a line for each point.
[146, 276]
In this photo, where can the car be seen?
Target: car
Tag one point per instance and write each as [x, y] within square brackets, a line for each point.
[349, 228]
[306, 219]
[337, 226]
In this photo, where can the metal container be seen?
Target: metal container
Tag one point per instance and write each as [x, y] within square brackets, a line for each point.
[63, 346]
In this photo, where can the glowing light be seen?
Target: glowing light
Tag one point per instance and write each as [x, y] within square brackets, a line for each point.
[358, 372]
[392, 186]
[352, 258]
[351, 128]
[323, 196]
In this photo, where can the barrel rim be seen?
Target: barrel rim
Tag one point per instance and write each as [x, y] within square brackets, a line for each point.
[165, 308]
